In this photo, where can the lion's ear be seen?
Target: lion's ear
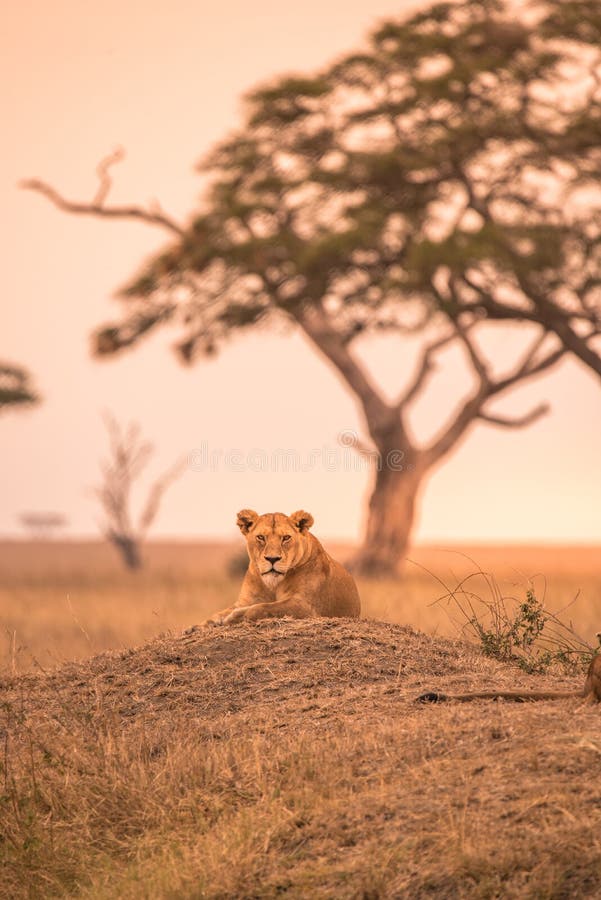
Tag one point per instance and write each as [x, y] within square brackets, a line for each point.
[303, 520]
[246, 519]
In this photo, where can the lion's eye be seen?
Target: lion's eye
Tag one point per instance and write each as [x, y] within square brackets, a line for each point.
[261, 538]
[285, 538]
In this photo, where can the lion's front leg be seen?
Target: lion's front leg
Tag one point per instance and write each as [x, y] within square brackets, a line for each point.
[224, 616]
[296, 608]
[219, 618]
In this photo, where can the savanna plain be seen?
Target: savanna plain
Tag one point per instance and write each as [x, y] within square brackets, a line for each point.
[143, 757]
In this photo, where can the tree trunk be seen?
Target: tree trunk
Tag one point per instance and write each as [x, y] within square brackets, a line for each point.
[390, 517]
[129, 550]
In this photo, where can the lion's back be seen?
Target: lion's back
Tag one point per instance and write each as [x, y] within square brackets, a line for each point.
[340, 596]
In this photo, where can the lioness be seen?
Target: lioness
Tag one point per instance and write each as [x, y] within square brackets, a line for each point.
[289, 573]
[591, 692]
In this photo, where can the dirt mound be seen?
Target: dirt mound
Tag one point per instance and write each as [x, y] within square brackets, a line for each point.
[284, 668]
[290, 759]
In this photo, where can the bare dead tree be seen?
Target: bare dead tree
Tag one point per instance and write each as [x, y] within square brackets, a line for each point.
[129, 455]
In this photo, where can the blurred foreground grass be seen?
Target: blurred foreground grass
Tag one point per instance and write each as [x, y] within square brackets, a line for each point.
[62, 601]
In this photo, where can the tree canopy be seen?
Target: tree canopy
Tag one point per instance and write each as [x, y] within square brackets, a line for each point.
[452, 165]
[15, 386]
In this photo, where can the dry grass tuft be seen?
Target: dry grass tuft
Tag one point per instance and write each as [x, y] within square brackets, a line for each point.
[289, 758]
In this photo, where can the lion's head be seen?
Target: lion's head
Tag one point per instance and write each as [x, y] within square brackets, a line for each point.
[276, 543]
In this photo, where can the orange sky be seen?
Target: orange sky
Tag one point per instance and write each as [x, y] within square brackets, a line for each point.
[163, 79]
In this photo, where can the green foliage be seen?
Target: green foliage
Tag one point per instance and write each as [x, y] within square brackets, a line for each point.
[241, 315]
[15, 387]
[292, 88]
[579, 20]
[286, 101]
[458, 251]
[519, 631]
[107, 341]
[453, 113]
[513, 635]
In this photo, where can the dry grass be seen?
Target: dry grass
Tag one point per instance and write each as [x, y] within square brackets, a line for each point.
[289, 759]
[67, 601]
[286, 758]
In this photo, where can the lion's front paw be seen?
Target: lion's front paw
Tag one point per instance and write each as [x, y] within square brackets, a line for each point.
[216, 619]
[236, 615]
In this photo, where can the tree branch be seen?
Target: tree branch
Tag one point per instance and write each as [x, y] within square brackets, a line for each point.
[577, 344]
[472, 409]
[102, 170]
[97, 207]
[464, 418]
[526, 369]
[478, 363]
[547, 313]
[156, 495]
[517, 421]
[425, 368]
[316, 324]
[501, 311]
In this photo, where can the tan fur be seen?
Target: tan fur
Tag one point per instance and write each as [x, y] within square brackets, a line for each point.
[591, 692]
[301, 581]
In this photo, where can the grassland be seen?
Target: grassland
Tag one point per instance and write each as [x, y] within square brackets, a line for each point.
[65, 601]
[286, 758]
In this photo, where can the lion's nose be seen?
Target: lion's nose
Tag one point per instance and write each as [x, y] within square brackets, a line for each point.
[273, 559]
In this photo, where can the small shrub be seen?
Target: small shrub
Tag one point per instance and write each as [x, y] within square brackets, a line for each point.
[520, 631]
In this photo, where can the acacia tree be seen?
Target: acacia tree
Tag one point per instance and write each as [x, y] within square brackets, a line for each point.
[15, 386]
[42, 526]
[427, 184]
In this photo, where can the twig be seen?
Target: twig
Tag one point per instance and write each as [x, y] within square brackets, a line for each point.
[154, 216]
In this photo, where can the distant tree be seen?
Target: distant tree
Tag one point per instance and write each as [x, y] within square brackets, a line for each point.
[129, 455]
[442, 178]
[42, 526]
[15, 387]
